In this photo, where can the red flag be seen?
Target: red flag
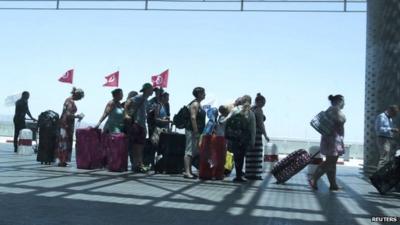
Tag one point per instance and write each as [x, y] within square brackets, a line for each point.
[67, 77]
[160, 80]
[112, 80]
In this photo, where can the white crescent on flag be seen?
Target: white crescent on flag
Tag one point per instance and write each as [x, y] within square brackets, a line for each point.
[111, 79]
[159, 80]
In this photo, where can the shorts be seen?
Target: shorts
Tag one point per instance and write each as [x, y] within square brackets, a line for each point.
[192, 143]
[137, 134]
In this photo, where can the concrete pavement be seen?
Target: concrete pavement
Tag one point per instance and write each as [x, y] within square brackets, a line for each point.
[36, 194]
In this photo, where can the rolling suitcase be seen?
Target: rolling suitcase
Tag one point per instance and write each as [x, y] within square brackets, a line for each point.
[291, 165]
[149, 153]
[89, 153]
[116, 149]
[212, 157]
[387, 177]
[171, 153]
[48, 130]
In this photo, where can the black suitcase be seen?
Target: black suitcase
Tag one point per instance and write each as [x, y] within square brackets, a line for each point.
[291, 165]
[48, 130]
[149, 153]
[172, 151]
[387, 177]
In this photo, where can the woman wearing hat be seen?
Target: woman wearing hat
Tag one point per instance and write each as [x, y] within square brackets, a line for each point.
[67, 122]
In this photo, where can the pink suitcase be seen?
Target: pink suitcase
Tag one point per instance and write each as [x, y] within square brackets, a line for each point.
[116, 148]
[89, 153]
[291, 165]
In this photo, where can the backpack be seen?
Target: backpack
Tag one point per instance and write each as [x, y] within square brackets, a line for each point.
[238, 129]
[182, 118]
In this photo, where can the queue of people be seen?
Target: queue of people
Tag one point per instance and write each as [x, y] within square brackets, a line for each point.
[242, 124]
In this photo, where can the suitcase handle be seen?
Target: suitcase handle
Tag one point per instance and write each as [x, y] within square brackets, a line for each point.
[313, 156]
[78, 124]
[171, 129]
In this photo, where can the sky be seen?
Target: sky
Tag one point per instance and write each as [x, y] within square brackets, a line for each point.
[294, 59]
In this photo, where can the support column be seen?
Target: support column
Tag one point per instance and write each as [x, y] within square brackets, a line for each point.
[382, 87]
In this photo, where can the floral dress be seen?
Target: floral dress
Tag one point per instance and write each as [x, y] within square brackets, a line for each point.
[65, 137]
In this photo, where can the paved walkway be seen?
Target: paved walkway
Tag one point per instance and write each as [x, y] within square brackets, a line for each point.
[36, 194]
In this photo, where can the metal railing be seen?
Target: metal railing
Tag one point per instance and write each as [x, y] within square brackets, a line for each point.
[326, 6]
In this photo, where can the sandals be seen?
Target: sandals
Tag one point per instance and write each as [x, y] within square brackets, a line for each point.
[335, 188]
[62, 164]
[141, 169]
[191, 176]
[253, 177]
[239, 180]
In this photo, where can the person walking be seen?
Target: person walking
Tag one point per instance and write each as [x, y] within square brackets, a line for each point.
[332, 146]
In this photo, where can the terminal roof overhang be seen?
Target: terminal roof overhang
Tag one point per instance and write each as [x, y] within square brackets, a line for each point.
[328, 6]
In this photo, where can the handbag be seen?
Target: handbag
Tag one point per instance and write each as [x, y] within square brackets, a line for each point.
[323, 123]
[155, 137]
[229, 162]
